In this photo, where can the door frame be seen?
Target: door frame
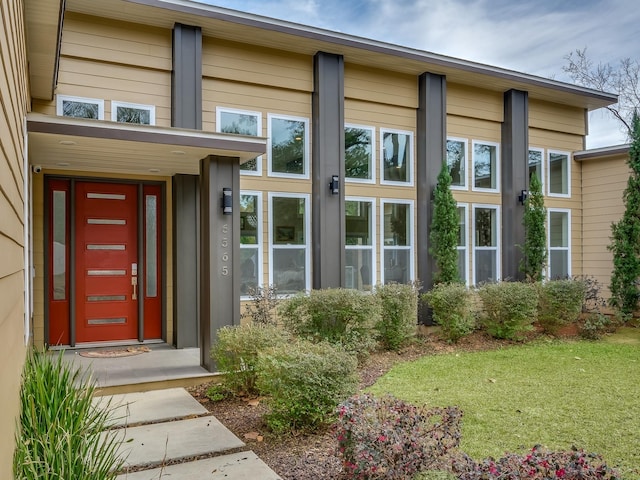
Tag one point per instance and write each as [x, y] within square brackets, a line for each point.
[70, 211]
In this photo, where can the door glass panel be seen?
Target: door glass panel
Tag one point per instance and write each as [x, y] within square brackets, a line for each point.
[151, 236]
[59, 245]
[106, 298]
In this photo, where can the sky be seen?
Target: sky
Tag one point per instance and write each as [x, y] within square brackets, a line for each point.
[527, 36]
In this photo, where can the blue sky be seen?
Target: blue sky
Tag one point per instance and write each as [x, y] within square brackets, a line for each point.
[527, 36]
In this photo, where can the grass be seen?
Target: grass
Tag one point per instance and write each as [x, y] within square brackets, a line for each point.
[556, 394]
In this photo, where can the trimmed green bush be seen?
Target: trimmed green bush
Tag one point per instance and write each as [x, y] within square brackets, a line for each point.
[596, 325]
[509, 308]
[560, 303]
[305, 382]
[59, 430]
[399, 320]
[339, 316]
[452, 310]
[236, 349]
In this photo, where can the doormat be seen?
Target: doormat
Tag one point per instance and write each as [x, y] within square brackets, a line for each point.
[125, 352]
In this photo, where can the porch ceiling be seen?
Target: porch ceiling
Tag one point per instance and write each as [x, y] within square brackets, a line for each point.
[63, 143]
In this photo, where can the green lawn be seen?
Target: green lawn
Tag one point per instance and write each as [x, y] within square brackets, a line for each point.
[556, 394]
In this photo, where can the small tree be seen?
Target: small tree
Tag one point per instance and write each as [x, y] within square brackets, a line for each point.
[444, 230]
[625, 239]
[534, 250]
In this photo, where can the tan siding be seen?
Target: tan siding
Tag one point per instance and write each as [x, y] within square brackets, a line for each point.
[473, 128]
[380, 86]
[472, 102]
[560, 118]
[13, 107]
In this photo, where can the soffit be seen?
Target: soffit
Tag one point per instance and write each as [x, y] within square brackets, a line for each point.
[63, 143]
[241, 27]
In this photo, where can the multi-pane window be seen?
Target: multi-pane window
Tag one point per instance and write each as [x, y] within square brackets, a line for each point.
[133, 113]
[241, 122]
[536, 164]
[457, 162]
[397, 240]
[359, 153]
[289, 242]
[396, 163]
[79, 107]
[250, 241]
[288, 146]
[463, 235]
[359, 243]
[559, 174]
[559, 243]
[486, 166]
[486, 243]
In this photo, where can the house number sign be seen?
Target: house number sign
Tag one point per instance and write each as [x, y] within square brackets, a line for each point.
[224, 251]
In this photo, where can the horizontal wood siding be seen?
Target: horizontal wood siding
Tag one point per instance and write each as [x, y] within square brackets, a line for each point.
[380, 86]
[472, 102]
[559, 118]
[14, 99]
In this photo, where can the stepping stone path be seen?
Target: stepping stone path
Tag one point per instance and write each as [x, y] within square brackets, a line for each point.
[163, 426]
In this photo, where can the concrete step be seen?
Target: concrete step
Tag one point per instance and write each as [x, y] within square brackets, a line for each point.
[236, 466]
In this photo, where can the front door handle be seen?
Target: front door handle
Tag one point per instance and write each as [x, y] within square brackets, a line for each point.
[134, 282]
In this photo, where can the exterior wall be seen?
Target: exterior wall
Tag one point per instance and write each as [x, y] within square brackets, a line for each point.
[14, 100]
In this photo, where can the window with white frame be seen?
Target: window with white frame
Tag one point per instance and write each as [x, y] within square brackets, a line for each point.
[486, 243]
[536, 164]
[396, 162]
[359, 153]
[133, 113]
[289, 242]
[559, 241]
[463, 235]
[457, 162]
[397, 240]
[80, 107]
[360, 270]
[288, 146]
[241, 122]
[250, 241]
[486, 166]
[559, 172]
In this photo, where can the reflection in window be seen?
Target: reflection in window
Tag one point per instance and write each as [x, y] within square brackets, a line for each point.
[559, 244]
[250, 241]
[558, 173]
[397, 245]
[288, 141]
[359, 241]
[485, 166]
[397, 151]
[151, 247]
[59, 226]
[457, 162]
[462, 243]
[485, 251]
[358, 153]
[241, 123]
[133, 113]
[535, 164]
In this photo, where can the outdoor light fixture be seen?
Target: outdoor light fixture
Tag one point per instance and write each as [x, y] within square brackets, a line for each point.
[334, 185]
[523, 196]
[227, 201]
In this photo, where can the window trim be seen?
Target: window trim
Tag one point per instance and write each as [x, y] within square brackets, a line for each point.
[410, 247]
[548, 160]
[270, 172]
[374, 239]
[498, 246]
[138, 106]
[550, 248]
[465, 207]
[410, 163]
[61, 98]
[473, 164]
[220, 110]
[259, 241]
[543, 173]
[372, 166]
[465, 141]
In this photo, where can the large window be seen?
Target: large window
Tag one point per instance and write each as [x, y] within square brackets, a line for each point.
[486, 166]
[463, 235]
[396, 163]
[359, 153]
[80, 107]
[559, 243]
[133, 113]
[486, 243]
[241, 122]
[250, 241]
[559, 174]
[360, 240]
[289, 242]
[536, 165]
[397, 240]
[288, 146]
[457, 162]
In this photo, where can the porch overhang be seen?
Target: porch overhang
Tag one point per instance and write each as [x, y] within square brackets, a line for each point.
[81, 145]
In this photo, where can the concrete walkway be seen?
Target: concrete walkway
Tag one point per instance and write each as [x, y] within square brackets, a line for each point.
[161, 427]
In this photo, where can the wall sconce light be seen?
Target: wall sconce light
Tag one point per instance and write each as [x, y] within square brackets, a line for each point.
[523, 196]
[227, 201]
[334, 185]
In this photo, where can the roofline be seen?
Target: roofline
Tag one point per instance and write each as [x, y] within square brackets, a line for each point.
[603, 152]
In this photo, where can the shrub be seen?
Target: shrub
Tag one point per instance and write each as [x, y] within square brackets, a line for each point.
[399, 318]
[560, 303]
[452, 310]
[388, 438]
[541, 463]
[595, 326]
[509, 308]
[339, 316]
[59, 430]
[236, 349]
[305, 382]
[263, 306]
